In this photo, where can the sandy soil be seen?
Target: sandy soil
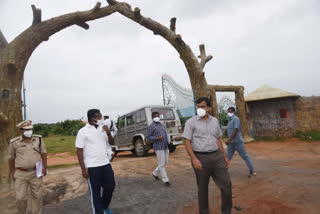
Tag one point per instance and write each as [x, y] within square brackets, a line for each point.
[287, 182]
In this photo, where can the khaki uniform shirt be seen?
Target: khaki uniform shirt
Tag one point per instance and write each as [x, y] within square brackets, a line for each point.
[26, 154]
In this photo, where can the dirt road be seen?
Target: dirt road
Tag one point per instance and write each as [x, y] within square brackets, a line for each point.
[287, 182]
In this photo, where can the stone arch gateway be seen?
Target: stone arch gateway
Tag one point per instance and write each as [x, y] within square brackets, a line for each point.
[14, 57]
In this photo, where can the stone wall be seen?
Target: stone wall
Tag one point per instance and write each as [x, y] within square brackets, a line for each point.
[263, 118]
[307, 113]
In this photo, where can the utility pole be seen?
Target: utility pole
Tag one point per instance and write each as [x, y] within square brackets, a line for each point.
[164, 100]
[24, 105]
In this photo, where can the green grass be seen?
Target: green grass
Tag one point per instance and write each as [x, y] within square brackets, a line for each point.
[308, 136]
[59, 144]
[62, 165]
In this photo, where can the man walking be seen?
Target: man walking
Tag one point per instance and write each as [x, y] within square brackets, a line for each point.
[24, 152]
[92, 154]
[202, 135]
[236, 142]
[157, 133]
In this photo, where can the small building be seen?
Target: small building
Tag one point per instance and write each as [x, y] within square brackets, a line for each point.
[271, 112]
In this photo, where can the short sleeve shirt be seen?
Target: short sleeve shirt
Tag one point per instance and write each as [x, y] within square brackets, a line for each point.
[26, 154]
[234, 123]
[94, 142]
[203, 134]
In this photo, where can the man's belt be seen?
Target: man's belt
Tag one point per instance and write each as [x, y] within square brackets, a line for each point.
[26, 170]
[205, 152]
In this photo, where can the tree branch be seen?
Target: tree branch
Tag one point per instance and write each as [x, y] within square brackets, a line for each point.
[197, 78]
[36, 15]
[34, 35]
[97, 7]
[203, 56]
[231, 88]
[3, 41]
[173, 24]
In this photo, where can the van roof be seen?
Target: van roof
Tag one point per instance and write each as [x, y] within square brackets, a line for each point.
[148, 106]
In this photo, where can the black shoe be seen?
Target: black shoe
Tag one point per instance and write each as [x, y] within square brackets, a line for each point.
[167, 184]
[252, 173]
[155, 177]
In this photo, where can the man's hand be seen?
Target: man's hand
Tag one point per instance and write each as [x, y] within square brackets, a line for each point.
[12, 174]
[44, 171]
[227, 161]
[160, 138]
[196, 163]
[228, 142]
[85, 173]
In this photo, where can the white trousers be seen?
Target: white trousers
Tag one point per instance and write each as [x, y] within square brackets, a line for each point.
[162, 156]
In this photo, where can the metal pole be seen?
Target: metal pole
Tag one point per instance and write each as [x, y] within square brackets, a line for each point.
[24, 102]
[164, 101]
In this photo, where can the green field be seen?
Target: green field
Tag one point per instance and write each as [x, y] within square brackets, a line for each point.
[59, 144]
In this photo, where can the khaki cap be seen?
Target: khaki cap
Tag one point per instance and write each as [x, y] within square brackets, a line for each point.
[26, 124]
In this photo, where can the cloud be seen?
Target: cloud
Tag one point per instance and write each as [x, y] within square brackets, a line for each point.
[116, 65]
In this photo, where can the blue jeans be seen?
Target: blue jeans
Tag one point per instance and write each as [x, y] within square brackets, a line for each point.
[239, 147]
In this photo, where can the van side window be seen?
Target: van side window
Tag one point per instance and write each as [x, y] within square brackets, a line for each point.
[121, 123]
[140, 116]
[130, 120]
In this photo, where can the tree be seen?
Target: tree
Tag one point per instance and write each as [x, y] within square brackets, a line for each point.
[14, 57]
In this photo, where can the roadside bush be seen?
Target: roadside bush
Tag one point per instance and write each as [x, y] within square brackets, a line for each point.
[67, 128]
[308, 136]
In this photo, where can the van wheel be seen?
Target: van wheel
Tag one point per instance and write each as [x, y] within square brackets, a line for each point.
[139, 147]
[172, 148]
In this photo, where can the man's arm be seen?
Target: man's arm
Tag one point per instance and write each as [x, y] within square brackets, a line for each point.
[195, 162]
[44, 162]
[232, 136]
[152, 137]
[11, 167]
[81, 162]
[221, 149]
[110, 138]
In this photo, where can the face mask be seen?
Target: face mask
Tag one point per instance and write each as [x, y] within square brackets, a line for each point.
[201, 112]
[99, 122]
[230, 114]
[28, 133]
[156, 119]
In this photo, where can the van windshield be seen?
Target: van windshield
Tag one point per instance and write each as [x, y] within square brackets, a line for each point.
[165, 114]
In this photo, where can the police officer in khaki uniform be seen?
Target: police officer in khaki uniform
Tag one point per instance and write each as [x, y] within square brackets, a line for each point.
[24, 152]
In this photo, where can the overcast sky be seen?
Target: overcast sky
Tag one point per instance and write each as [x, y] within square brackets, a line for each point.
[116, 65]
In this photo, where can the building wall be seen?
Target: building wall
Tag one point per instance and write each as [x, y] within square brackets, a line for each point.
[263, 117]
[307, 113]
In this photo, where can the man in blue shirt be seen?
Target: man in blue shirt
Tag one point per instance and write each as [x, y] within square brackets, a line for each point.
[157, 133]
[236, 142]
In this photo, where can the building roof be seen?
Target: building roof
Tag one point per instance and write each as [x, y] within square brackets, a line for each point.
[266, 92]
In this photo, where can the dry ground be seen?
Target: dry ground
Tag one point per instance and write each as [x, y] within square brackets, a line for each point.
[287, 183]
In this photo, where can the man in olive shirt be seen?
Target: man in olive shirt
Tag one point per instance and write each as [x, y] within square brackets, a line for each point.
[202, 137]
[24, 152]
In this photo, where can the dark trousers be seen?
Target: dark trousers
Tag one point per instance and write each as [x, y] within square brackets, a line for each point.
[101, 186]
[213, 165]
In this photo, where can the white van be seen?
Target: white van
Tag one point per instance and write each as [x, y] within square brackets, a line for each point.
[132, 129]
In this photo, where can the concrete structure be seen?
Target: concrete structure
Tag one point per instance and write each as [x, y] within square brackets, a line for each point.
[275, 112]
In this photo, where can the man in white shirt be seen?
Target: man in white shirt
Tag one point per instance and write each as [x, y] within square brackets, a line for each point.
[113, 130]
[92, 144]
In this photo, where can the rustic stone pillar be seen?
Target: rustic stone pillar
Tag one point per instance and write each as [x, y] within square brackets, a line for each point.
[241, 107]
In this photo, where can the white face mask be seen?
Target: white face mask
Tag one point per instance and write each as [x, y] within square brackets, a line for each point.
[99, 122]
[156, 119]
[28, 133]
[230, 114]
[201, 112]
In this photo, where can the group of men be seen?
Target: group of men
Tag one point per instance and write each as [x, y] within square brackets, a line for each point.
[202, 135]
